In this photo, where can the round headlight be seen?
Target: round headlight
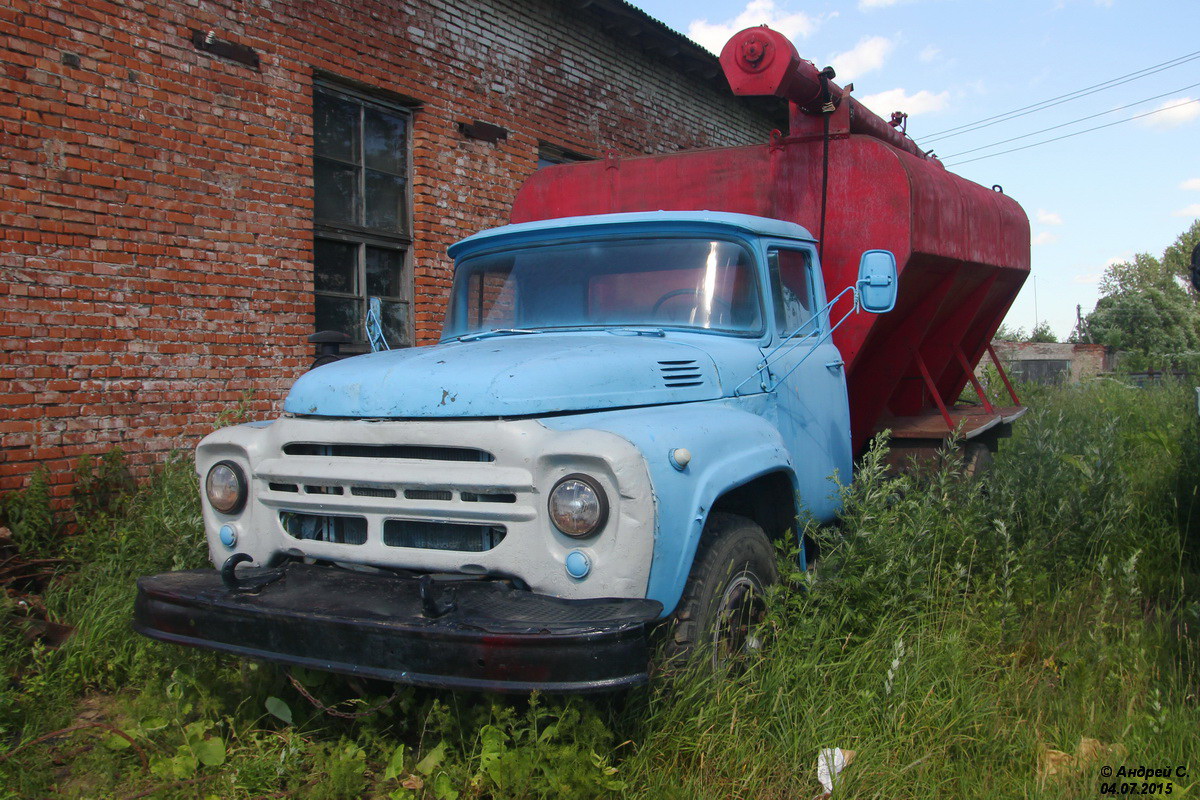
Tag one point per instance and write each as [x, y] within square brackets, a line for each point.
[226, 487]
[578, 506]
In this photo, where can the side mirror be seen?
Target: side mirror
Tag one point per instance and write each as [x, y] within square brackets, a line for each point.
[877, 283]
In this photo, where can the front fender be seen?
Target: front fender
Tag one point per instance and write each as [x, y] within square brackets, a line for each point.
[731, 443]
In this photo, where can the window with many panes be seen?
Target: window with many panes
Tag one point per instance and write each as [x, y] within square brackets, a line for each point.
[361, 213]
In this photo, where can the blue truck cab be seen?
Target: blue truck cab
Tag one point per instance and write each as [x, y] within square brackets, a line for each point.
[625, 412]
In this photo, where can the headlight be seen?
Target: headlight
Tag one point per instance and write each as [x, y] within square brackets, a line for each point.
[578, 506]
[226, 487]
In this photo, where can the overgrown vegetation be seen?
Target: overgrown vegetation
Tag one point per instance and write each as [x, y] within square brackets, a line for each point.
[1149, 309]
[955, 631]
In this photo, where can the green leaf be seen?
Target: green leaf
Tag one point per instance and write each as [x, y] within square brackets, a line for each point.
[395, 765]
[114, 742]
[444, 788]
[194, 731]
[493, 743]
[279, 709]
[211, 752]
[434, 757]
[182, 765]
[154, 723]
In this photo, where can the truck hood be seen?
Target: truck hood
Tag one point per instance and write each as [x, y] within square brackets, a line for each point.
[514, 375]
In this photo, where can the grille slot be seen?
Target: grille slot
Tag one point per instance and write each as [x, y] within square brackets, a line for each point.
[407, 451]
[441, 535]
[283, 487]
[372, 491]
[324, 527]
[678, 374]
[494, 497]
[318, 489]
[428, 494]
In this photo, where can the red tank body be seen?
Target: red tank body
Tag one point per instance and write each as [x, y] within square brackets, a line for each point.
[962, 249]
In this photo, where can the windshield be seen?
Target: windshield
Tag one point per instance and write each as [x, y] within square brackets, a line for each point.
[663, 283]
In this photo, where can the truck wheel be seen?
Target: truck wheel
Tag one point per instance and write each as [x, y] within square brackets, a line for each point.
[724, 599]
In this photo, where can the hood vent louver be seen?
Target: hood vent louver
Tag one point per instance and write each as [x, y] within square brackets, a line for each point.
[680, 374]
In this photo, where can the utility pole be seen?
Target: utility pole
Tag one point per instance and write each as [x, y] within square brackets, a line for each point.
[1036, 317]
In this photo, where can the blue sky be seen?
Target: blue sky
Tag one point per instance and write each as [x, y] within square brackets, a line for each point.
[1092, 198]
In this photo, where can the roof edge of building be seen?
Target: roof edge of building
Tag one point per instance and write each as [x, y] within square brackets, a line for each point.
[656, 37]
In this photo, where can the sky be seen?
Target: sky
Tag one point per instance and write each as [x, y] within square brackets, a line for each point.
[1092, 199]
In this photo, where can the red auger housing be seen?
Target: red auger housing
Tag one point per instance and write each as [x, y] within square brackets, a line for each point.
[858, 184]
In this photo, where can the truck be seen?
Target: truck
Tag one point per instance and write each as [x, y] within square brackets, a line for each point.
[643, 382]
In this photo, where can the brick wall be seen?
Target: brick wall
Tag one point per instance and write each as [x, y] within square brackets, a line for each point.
[1086, 360]
[156, 208]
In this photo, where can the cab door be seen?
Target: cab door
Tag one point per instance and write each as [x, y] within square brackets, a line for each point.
[808, 376]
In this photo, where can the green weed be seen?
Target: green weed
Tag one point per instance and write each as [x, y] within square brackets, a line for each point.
[954, 632]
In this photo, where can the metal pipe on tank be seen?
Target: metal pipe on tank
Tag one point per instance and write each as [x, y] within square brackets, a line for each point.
[760, 61]
[868, 123]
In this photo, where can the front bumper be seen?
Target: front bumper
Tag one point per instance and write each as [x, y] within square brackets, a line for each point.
[489, 636]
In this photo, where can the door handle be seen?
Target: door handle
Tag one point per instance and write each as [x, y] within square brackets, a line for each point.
[835, 364]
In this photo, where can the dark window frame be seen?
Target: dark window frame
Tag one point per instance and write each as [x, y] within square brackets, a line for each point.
[360, 234]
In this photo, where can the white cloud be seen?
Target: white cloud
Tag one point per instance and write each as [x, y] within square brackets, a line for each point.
[1189, 211]
[1191, 185]
[869, 54]
[866, 4]
[714, 35]
[1045, 237]
[924, 101]
[1124, 258]
[928, 54]
[1049, 217]
[1182, 111]
[1087, 278]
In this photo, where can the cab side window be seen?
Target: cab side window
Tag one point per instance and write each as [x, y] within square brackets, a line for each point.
[791, 278]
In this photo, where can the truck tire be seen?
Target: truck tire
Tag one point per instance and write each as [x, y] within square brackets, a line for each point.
[725, 593]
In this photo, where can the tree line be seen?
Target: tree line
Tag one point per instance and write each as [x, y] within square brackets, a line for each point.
[1149, 308]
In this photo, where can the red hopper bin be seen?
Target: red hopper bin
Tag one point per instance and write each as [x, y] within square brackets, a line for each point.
[857, 183]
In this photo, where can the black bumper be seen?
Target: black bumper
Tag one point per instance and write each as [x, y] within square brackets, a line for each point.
[492, 638]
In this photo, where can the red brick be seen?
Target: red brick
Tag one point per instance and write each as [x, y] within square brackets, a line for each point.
[157, 206]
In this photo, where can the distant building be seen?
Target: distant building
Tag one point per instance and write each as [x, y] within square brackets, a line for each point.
[1053, 362]
[192, 188]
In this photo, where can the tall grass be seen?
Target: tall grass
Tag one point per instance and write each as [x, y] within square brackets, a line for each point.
[954, 630]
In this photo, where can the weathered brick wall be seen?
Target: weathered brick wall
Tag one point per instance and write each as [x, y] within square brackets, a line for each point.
[1087, 360]
[156, 202]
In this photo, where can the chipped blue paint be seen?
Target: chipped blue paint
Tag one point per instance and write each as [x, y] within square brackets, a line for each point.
[518, 375]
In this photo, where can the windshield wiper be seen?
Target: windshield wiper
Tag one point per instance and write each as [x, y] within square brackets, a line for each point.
[477, 335]
[626, 330]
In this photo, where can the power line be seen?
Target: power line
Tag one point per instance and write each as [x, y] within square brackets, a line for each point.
[1072, 122]
[987, 122]
[1118, 81]
[1076, 133]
